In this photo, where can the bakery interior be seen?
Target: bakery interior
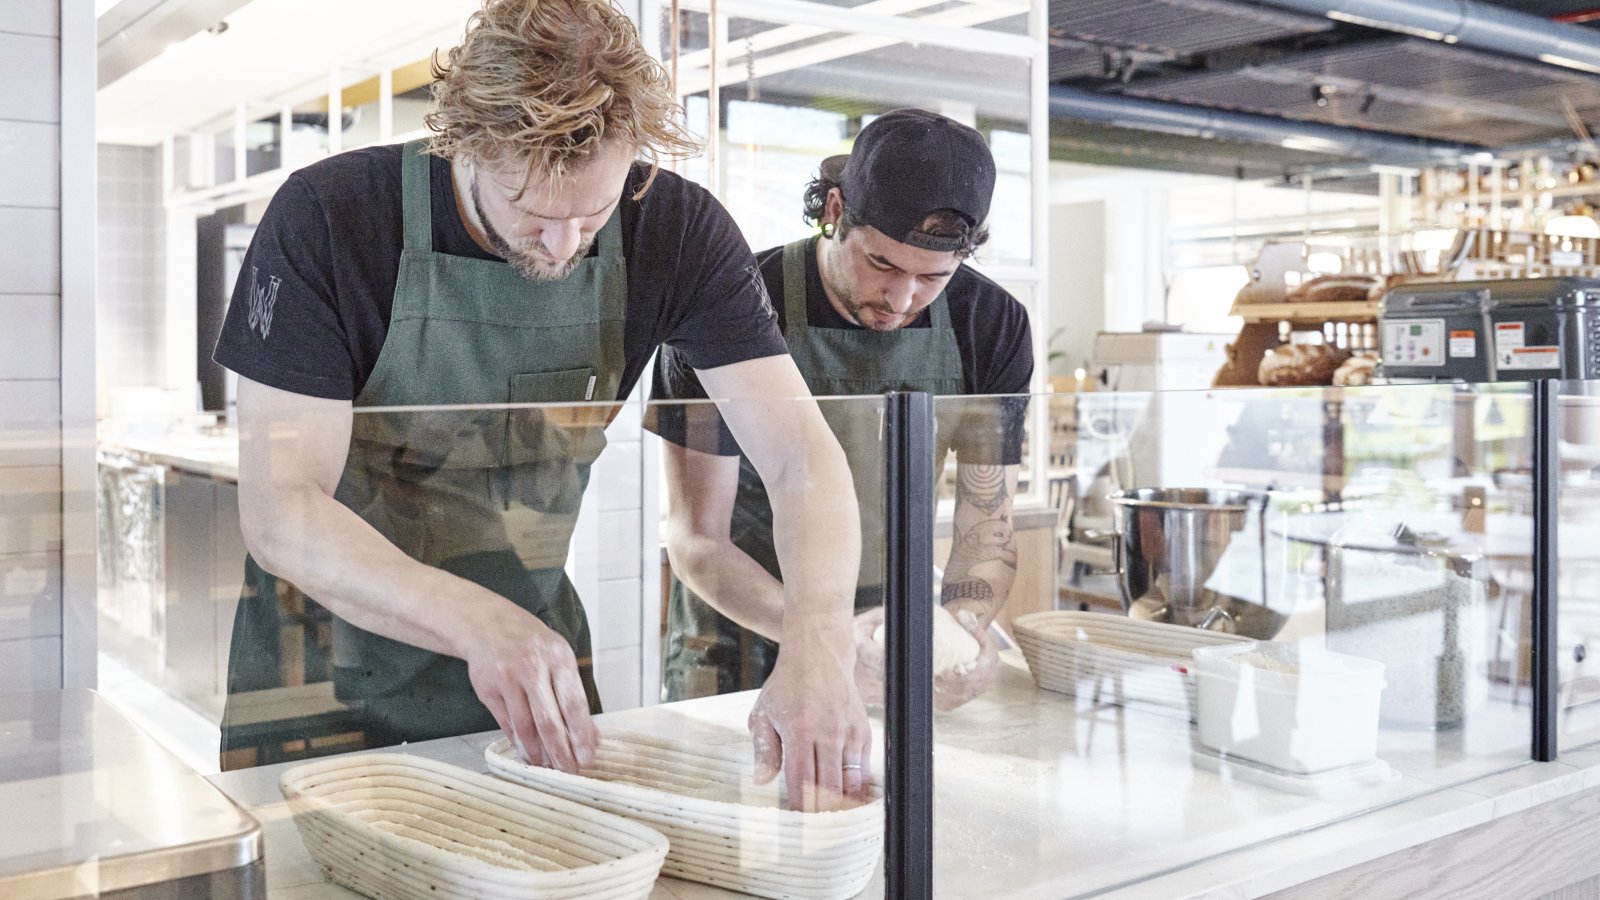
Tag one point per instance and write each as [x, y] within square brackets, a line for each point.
[1305, 543]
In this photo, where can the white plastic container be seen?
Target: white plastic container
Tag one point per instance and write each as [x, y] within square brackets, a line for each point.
[1299, 710]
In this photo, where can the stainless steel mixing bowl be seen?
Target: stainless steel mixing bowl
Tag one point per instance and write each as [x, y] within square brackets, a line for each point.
[1169, 544]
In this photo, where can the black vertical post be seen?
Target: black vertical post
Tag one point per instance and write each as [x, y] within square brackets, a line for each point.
[1546, 521]
[908, 608]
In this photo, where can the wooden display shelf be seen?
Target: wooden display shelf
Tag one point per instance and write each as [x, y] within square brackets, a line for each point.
[1353, 311]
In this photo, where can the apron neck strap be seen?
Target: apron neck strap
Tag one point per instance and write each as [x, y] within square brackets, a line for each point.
[939, 312]
[795, 314]
[416, 196]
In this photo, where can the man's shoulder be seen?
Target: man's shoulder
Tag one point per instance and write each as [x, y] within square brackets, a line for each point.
[970, 286]
[976, 298]
[360, 174]
[669, 194]
[770, 261]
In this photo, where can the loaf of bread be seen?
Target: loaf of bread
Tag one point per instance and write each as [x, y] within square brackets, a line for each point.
[1356, 371]
[1382, 286]
[1300, 364]
[1336, 289]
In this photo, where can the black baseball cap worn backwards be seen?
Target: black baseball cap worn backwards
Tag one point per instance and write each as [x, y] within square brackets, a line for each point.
[910, 162]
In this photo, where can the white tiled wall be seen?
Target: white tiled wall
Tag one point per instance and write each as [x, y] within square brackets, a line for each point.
[30, 154]
[130, 285]
[30, 340]
[608, 568]
[32, 65]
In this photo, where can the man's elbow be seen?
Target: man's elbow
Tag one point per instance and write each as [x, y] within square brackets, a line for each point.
[269, 541]
[690, 549]
[265, 544]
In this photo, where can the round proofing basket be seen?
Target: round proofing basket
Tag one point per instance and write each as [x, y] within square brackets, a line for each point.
[724, 829]
[390, 824]
[1067, 649]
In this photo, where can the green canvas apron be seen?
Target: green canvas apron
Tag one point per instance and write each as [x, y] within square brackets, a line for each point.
[489, 495]
[702, 644]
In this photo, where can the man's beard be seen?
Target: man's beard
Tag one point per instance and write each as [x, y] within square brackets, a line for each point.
[883, 318]
[533, 266]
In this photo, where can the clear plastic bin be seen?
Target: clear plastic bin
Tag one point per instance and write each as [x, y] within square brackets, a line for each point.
[1297, 709]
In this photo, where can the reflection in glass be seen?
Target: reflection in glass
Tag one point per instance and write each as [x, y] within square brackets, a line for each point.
[791, 96]
[1391, 554]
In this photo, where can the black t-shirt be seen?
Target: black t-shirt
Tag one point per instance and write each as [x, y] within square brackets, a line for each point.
[992, 335]
[325, 258]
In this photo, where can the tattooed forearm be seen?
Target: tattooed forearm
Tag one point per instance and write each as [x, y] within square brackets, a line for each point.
[982, 486]
[976, 589]
[983, 550]
[989, 541]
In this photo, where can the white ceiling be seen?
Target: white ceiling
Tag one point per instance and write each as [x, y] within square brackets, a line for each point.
[272, 51]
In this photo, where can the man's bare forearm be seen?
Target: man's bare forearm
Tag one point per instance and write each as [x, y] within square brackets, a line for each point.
[729, 580]
[817, 533]
[301, 534]
[816, 523]
[983, 550]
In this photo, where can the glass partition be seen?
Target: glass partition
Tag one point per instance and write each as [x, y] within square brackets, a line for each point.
[1578, 560]
[1241, 615]
[790, 96]
[1229, 617]
[579, 514]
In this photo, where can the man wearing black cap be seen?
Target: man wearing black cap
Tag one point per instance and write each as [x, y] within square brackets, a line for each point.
[879, 301]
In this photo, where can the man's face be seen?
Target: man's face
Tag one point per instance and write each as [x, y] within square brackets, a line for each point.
[881, 283]
[547, 231]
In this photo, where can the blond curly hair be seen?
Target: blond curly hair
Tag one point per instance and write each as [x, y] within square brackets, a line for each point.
[541, 83]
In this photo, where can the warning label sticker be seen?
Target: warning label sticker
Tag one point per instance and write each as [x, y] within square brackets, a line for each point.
[1464, 344]
[1508, 336]
[1532, 358]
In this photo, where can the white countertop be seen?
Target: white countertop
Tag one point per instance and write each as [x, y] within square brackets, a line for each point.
[213, 452]
[1045, 795]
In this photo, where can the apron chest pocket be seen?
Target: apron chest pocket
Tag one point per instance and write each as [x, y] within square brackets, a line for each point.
[558, 438]
[564, 386]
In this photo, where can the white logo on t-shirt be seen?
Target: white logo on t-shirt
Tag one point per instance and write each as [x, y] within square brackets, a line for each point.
[261, 302]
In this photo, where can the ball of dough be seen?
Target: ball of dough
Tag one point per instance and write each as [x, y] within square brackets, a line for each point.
[954, 647]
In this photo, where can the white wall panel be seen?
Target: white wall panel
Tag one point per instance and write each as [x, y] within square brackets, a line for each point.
[616, 674]
[620, 613]
[30, 596]
[30, 68]
[30, 342]
[31, 499]
[30, 17]
[619, 544]
[619, 477]
[32, 664]
[30, 427]
[30, 155]
[32, 242]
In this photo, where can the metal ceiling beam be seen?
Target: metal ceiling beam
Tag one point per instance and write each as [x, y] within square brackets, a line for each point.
[1469, 23]
[134, 32]
[1196, 121]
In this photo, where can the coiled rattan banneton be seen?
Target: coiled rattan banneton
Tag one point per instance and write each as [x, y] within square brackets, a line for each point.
[1066, 650]
[395, 825]
[725, 830]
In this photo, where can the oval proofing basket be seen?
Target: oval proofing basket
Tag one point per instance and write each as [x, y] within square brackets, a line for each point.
[395, 825]
[725, 830]
[1142, 659]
